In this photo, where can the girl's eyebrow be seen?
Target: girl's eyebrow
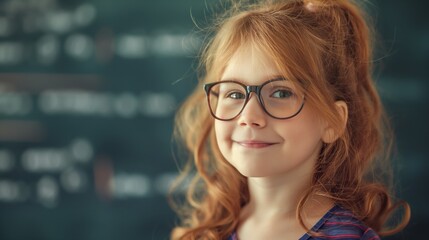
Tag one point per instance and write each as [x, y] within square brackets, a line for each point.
[277, 77]
[273, 78]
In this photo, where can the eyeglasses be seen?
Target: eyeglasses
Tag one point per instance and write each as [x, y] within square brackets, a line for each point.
[277, 97]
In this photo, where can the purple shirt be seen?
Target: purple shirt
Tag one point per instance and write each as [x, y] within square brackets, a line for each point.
[338, 224]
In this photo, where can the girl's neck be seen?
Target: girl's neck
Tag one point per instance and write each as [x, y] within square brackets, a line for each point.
[278, 197]
[271, 196]
[271, 211]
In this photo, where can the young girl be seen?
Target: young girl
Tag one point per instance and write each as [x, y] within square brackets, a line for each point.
[286, 129]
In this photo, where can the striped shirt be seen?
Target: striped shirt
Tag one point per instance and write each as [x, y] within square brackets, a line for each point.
[338, 224]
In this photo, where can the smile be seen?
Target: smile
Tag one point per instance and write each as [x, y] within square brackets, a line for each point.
[254, 144]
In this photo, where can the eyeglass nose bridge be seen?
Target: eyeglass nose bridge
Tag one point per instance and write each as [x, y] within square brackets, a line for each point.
[256, 89]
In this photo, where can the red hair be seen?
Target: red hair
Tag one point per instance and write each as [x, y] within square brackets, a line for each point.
[324, 46]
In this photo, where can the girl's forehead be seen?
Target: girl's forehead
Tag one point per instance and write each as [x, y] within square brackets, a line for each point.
[253, 54]
[248, 58]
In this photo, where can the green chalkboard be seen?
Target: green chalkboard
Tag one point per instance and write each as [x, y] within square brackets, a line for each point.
[88, 93]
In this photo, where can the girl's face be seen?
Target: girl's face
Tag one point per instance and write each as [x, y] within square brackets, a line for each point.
[258, 145]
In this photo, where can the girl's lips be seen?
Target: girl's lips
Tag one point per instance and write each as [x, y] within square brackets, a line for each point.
[254, 144]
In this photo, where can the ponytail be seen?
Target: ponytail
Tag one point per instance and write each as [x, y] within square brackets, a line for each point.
[366, 143]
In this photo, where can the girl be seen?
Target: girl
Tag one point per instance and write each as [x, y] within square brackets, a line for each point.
[286, 129]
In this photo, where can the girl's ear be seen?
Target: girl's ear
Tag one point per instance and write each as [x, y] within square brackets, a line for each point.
[330, 133]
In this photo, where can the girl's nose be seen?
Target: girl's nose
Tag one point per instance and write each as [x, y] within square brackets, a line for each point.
[253, 115]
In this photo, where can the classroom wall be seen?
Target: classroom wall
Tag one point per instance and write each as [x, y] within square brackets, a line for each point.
[88, 93]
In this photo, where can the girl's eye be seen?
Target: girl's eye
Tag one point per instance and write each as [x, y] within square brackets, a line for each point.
[283, 93]
[236, 95]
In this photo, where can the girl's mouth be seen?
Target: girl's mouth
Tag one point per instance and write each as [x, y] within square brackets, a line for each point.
[254, 144]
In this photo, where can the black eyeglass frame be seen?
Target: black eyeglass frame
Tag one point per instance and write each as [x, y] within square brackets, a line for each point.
[249, 89]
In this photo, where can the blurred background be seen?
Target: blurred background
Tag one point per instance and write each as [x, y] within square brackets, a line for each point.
[88, 92]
